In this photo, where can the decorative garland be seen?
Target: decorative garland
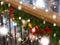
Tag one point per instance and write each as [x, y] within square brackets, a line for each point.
[43, 26]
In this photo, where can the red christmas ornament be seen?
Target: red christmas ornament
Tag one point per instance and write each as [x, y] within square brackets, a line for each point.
[40, 32]
[47, 29]
[10, 10]
[34, 30]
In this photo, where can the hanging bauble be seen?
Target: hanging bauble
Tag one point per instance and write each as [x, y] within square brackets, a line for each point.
[11, 8]
[30, 25]
[47, 29]
[9, 12]
[40, 32]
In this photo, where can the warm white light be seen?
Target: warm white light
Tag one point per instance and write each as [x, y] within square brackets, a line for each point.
[54, 34]
[23, 21]
[19, 18]
[34, 7]
[46, 10]
[54, 24]
[9, 5]
[2, 2]
[28, 20]
[5, 10]
[54, 16]
[44, 22]
[3, 31]
[45, 41]
[19, 7]
[21, 2]
[19, 39]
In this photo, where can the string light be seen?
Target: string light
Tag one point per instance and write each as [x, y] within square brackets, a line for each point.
[21, 2]
[9, 5]
[44, 22]
[36, 38]
[54, 16]
[19, 39]
[28, 20]
[19, 7]
[2, 2]
[54, 34]
[23, 21]
[19, 18]
[54, 24]
[46, 10]
[34, 7]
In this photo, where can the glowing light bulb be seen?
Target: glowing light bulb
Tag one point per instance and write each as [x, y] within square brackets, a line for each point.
[19, 39]
[54, 24]
[28, 20]
[2, 2]
[19, 7]
[9, 5]
[54, 16]
[21, 2]
[54, 34]
[19, 18]
[34, 7]
[46, 10]
[44, 22]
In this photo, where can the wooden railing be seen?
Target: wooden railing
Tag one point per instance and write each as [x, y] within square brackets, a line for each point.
[40, 13]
